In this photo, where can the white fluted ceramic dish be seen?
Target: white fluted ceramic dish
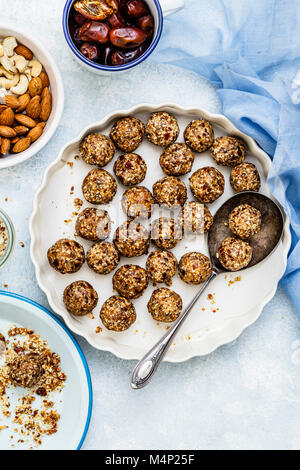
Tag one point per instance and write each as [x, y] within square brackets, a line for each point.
[215, 321]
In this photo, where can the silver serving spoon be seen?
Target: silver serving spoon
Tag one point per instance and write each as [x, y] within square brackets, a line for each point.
[262, 243]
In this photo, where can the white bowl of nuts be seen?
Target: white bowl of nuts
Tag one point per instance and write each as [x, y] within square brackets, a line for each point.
[31, 96]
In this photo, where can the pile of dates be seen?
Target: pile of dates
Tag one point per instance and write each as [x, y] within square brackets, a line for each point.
[111, 32]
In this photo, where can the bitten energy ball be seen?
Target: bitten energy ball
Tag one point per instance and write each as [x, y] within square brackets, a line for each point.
[165, 233]
[132, 239]
[195, 218]
[228, 151]
[137, 202]
[25, 370]
[165, 305]
[162, 129]
[245, 221]
[245, 177]
[93, 224]
[127, 133]
[177, 160]
[161, 267]
[170, 191]
[130, 169]
[99, 187]
[194, 268]
[80, 298]
[130, 281]
[207, 184]
[102, 257]
[97, 149]
[234, 254]
[117, 313]
[66, 256]
[199, 135]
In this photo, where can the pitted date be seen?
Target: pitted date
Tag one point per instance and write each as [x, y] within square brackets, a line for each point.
[94, 31]
[136, 9]
[120, 57]
[106, 55]
[116, 20]
[90, 51]
[146, 24]
[79, 19]
[127, 38]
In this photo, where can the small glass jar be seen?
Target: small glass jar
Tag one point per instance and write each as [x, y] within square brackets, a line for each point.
[10, 237]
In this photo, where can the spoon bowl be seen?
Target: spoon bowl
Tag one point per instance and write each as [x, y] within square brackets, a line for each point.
[262, 243]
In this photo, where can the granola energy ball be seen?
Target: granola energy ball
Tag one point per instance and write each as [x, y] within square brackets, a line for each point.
[199, 135]
[161, 267]
[195, 218]
[194, 268]
[102, 257]
[130, 169]
[130, 281]
[99, 187]
[162, 129]
[66, 256]
[137, 202]
[165, 305]
[127, 133]
[117, 313]
[234, 254]
[207, 184]
[93, 224]
[165, 233]
[25, 370]
[80, 298]
[170, 191]
[132, 239]
[245, 221]
[245, 177]
[228, 151]
[177, 160]
[97, 149]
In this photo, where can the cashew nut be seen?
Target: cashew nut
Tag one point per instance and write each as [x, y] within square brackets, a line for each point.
[7, 84]
[7, 74]
[8, 64]
[3, 94]
[20, 62]
[28, 73]
[9, 45]
[22, 86]
[1, 50]
[36, 67]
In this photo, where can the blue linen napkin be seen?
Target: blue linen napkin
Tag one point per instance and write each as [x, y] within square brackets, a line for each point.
[251, 51]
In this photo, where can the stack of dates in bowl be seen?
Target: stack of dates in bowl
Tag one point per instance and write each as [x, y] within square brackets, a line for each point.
[111, 32]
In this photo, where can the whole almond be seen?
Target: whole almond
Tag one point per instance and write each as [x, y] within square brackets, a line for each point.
[7, 132]
[7, 117]
[21, 130]
[35, 86]
[33, 108]
[24, 51]
[2, 107]
[5, 146]
[46, 93]
[41, 124]
[21, 145]
[24, 120]
[45, 108]
[23, 102]
[35, 133]
[45, 79]
[12, 101]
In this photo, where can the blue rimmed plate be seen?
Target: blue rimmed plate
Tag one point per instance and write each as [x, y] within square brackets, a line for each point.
[74, 403]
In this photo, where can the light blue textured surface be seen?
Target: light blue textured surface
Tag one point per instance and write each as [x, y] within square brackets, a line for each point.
[244, 395]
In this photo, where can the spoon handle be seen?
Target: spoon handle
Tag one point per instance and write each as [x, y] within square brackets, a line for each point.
[146, 367]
